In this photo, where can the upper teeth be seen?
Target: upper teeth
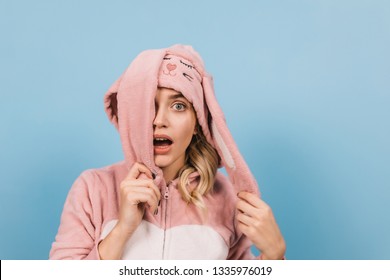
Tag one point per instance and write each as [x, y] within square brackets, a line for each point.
[161, 139]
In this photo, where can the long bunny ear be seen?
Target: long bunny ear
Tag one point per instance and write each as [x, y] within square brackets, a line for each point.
[111, 102]
[237, 169]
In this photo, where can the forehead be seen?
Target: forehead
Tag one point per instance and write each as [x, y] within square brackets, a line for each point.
[167, 93]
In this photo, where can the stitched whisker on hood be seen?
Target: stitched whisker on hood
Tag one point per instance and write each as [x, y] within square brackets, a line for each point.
[188, 77]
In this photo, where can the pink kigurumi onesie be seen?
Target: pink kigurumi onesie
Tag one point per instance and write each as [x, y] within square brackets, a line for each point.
[179, 230]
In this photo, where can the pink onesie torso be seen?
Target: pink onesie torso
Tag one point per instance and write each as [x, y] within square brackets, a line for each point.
[178, 231]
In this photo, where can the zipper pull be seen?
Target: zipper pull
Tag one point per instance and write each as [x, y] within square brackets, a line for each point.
[166, 194]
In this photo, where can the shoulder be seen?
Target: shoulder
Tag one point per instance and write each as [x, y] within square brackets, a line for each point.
[109, 170]
[100, 179]
[105, 172]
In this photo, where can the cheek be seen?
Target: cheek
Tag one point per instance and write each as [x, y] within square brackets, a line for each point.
[187, 126]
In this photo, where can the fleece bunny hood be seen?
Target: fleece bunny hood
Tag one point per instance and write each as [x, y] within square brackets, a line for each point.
[129, 105]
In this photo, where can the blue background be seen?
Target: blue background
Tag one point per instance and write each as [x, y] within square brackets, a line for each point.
[305, 87]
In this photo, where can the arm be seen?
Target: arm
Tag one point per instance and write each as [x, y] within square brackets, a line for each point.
[135, 194]
[241, 249]
[76, 237]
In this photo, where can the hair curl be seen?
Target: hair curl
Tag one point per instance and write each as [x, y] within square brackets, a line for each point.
[202, 157]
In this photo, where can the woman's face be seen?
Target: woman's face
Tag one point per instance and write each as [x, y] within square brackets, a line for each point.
[173, 128]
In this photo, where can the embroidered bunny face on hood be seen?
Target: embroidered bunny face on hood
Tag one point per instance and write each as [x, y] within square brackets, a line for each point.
[130, 106]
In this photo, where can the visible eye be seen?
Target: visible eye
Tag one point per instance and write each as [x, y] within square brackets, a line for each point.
[179, 106]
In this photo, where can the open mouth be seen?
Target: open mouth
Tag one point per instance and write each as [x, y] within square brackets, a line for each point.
[162, 141]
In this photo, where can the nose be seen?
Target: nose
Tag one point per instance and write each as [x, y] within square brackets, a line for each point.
[160, 119]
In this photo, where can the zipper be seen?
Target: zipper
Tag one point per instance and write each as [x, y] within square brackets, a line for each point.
[166, 194]
[166, 197]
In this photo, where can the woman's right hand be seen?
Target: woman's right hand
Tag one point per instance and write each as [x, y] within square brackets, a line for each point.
[136, 192]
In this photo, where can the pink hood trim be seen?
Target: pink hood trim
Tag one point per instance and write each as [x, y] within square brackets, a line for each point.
[129, 104]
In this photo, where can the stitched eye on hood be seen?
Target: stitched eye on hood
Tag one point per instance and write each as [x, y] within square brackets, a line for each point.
[186, 64]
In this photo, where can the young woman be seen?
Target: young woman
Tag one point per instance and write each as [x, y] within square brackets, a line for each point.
[167, 200]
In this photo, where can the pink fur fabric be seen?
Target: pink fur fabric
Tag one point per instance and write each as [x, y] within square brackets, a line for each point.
[129, 104]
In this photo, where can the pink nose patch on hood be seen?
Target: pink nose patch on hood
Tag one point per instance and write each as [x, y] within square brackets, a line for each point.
[129, 105]
[171, 67]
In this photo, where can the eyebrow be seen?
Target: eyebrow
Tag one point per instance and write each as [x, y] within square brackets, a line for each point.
[179, 95]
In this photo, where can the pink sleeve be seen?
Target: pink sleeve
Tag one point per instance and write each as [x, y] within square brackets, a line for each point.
[242, 250]
[79, 228]
[241, 247]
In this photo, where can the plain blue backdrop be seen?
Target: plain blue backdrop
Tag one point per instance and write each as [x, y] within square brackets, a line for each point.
[305, 87]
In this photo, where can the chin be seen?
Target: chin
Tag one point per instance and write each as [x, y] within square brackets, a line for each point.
[160, 162]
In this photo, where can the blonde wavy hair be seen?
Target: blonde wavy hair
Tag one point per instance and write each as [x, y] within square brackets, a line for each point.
[203, 158]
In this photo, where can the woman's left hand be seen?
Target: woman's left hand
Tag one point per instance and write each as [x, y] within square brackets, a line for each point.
[257, 222]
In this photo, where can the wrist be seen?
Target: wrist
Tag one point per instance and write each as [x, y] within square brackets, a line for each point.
[121, 233]
[276, 254]
[264, 257]
[111, 247]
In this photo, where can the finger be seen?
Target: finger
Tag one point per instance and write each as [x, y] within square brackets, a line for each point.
[143, 196]
[246, 208]
[244, 219]
[143, 184]
[252, 199]
[245, 229]
[136, 170]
